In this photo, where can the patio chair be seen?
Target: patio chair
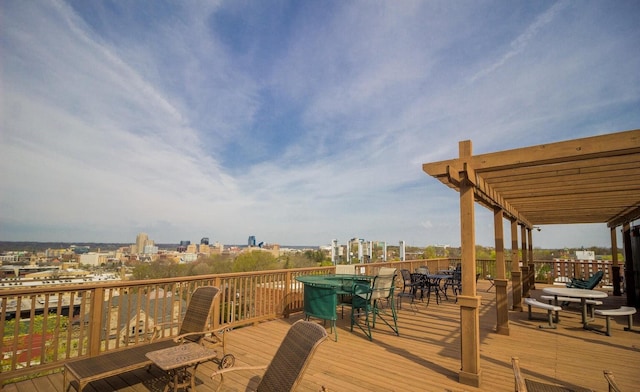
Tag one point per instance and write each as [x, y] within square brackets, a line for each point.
[455, 283]
[344, 295]
[193, 328]
[526, 385]
[290, 361]
[411, 283]
[368, 300]
[613, 386]
[588, 284]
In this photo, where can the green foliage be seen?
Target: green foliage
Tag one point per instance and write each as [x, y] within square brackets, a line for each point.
[255, 261]
[36, 324]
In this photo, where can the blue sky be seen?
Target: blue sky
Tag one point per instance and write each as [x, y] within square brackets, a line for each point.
[294, 121]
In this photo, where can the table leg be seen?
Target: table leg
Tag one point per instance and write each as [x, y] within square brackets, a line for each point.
[583, 303]
[555, 302]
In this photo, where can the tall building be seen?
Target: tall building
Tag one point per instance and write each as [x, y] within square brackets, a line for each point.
[141, 241]
[252, 240]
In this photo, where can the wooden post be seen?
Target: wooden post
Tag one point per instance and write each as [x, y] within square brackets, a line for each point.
[525, 265]
[516, 286]
[96, 321]
[500, 280]
[532, 266]
[469, 302]
[615, 267]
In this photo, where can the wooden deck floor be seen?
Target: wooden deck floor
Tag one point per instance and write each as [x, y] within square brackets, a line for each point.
[426, 355]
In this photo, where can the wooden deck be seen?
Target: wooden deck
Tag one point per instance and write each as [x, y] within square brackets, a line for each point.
[426, 355]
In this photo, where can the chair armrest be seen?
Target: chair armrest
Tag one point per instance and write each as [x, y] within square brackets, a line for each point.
[222, 372]
[520, 385]
[613, 386]
[210, 337]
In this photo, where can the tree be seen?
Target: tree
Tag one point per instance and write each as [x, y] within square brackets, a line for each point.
[254, 261]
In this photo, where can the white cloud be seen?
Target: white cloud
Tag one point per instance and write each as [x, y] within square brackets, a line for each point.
[153, 122]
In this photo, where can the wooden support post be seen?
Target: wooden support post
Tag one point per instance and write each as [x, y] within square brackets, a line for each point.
[500, 280]
[615, 268]
[469, 302]
[516, 286]
[525, 265]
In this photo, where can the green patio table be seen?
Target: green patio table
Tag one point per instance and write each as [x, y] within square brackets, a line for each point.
[321, 294]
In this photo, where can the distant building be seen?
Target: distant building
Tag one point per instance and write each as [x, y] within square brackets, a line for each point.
[192, 248]
[141, 239]
[252, 241]
[150, 249]
[204, 249]
[204, 241]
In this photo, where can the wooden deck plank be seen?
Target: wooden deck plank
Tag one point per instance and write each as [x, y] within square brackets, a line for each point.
[426, 355]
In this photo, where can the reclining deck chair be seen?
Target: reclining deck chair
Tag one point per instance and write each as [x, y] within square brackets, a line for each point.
[525, 385]
[82, 371]
[588, 284]
[290, 361]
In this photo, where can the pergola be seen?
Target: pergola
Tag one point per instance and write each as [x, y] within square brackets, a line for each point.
[589, 180]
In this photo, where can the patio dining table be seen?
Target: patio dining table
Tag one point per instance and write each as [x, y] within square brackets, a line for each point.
[321, 293]
[583, 294]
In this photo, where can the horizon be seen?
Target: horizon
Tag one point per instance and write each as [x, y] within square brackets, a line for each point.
[292, 120]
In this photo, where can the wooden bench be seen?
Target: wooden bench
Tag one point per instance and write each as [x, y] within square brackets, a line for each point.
[591, 303]
[621, 311]
[532, 302]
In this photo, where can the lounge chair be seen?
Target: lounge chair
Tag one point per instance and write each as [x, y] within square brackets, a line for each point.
[193, 328]
[526, 385]
[290, 360]
[588, 284]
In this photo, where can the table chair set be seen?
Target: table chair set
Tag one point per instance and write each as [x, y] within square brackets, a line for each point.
[583, 292]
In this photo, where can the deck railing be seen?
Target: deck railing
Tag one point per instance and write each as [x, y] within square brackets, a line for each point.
[43, 327]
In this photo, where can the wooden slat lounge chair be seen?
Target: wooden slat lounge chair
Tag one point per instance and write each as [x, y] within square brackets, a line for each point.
[193, 328]
[525, 385]
[290, 360]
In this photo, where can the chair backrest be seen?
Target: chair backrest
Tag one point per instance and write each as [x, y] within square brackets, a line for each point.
[196, 316]
[595, 279]
[383, 283]
[293, 356]
[345, 269]
[406, 276]
[361, 298]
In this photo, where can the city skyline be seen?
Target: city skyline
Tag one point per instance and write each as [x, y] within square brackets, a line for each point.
[296, 122]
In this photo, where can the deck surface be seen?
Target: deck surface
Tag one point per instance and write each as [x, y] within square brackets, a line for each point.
[426, 355]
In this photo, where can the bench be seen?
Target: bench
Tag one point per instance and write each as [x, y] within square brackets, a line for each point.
[532, 302]
[591, 303]
[621, 311]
